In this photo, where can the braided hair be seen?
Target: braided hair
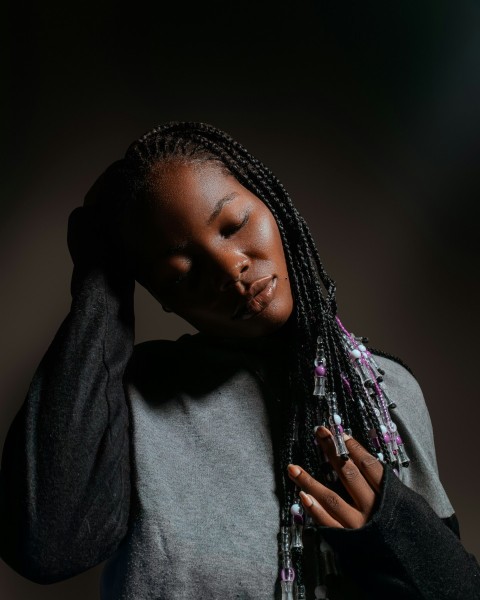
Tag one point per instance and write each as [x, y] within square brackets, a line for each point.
[314, 313]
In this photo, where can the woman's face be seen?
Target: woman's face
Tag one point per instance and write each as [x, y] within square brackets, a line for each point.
[210, 251]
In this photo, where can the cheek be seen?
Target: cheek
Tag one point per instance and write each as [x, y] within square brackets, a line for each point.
[267, 238]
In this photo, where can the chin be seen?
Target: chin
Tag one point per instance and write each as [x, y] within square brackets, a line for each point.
[261, 329]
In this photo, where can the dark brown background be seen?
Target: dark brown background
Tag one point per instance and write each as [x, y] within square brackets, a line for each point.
[369, 114]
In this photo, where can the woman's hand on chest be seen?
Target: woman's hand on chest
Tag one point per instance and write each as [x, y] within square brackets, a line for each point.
[361, 476]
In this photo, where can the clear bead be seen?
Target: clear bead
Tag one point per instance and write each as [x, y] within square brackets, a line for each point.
[297, 539]
[375, 364]
[390, 403]
[340, 446]
[287, 564]
[285, 540]
[402, 456]
[320, 386]
[287, 590]
[309, 522]
[364, 376]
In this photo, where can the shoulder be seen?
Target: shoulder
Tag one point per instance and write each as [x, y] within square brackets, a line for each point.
[411, 411]
[411, 408]
[401, 383]
[412, 418]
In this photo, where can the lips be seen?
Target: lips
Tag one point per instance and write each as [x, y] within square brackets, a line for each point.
[260, 294]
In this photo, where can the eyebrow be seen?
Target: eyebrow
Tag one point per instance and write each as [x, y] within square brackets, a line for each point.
[219, 204]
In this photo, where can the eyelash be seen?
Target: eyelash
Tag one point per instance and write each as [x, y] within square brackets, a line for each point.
[234, 228]
[226, 233]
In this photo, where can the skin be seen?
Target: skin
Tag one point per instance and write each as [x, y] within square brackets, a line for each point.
[201, 267]
[361, 476]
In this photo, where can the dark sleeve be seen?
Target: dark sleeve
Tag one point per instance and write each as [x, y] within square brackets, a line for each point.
[65, 481]
[452, 523]
[406, 551]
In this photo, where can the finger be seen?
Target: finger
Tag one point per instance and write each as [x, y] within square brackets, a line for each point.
[317, 512]
[336, 506]
[370, 467]
[352, 478]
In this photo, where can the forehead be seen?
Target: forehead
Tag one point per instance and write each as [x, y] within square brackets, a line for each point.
[177, 187]
[183, 197]
[181, 193]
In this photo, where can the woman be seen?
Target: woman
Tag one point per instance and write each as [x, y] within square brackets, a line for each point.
[265, 456]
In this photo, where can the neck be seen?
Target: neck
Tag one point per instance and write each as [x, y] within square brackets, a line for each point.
[278, 341]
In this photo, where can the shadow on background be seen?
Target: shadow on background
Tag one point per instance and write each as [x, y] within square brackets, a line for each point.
[368, 113]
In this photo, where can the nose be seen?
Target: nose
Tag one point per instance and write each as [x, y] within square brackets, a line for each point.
[231, 271]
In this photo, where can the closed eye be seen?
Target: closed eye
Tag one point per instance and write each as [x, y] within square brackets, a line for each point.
[228, 231]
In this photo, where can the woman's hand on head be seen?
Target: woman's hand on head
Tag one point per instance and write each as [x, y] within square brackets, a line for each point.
[361, 476]
[93, 235]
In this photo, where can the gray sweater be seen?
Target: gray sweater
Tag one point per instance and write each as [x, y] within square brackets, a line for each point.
[202, 414]
[166, 467]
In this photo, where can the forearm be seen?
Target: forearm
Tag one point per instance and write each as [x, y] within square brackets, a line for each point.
[65, 467]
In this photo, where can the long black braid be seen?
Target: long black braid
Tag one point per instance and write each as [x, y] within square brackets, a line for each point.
[312, 288]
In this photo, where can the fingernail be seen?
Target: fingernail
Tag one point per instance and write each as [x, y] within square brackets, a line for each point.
[306, 499]
[323, 433]
[294, 470]
[347, 437]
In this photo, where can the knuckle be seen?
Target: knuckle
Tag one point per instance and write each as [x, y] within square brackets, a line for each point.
[369, 462]
[330, 500]
[350, 474]
[354, 445]
[361, 520]
[305, 479]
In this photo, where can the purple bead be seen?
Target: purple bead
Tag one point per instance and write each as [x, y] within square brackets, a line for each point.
[399, 440]
[340, 429]
[287, 574]
[346, 383]
[386, 437]
[320, 371]
[298, 519]
[376, 443]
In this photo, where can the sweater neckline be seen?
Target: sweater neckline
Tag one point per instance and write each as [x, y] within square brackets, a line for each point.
[276, 344]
